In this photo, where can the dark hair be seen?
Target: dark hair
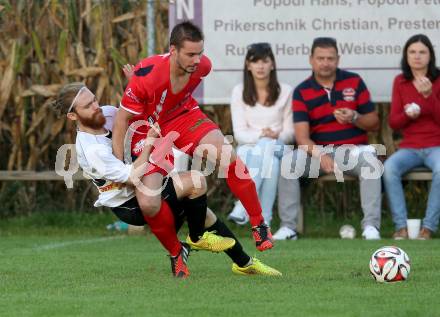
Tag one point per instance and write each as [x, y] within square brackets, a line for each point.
[324, 42]
[433, 71]
[65, 97]
[185, 31]
[256, 52]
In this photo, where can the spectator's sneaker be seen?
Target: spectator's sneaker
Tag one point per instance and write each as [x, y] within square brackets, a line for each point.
[424, 234]
[401, 234]
[238, 217]
[255, 268]
[211, 242]
[262, 237]
[371, 233]
[179, 262]
[285, 233]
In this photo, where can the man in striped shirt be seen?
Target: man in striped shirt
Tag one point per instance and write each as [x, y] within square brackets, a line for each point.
[332, 115]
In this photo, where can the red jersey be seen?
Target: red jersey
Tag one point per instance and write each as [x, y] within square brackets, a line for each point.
[149, 96]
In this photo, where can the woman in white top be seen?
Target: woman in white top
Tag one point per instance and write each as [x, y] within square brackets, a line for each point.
[262, 122]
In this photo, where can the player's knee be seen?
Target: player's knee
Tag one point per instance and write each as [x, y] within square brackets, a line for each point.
[149, 206]
[200, 186]
[226, 156]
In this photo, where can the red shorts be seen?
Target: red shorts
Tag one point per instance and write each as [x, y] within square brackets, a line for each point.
[185, 131]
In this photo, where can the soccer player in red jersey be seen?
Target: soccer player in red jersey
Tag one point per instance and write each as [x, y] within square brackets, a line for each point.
[115, 180]
[161, 91]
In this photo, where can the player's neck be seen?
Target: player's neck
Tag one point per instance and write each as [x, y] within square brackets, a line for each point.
[176, 71]
[90, 130]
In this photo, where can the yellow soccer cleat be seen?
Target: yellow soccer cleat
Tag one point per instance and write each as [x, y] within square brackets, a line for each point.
[256, 268]
[211, 242]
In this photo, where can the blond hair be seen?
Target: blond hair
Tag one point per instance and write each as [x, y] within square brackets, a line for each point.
[66, 96]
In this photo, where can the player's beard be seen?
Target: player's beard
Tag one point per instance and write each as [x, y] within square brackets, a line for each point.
[96, 122]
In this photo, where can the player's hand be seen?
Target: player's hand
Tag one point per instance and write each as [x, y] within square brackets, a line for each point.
[162, 156]
[423, 86]
[128, 71]
[269, 133]
[410, 113]
[327, 163]
[154, 131]
[343, 115]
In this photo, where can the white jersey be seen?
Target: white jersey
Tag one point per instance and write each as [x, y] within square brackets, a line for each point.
[95, 156]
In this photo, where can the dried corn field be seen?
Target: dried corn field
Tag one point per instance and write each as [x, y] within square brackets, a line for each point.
[45, 44]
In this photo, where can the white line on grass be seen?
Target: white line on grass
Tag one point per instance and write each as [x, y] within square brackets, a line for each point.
[52, 246]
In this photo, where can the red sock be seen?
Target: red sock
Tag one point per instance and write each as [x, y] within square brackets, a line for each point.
[244, 189]
[162, 226]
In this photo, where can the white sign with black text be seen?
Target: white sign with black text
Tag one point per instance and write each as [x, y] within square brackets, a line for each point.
[370, 35]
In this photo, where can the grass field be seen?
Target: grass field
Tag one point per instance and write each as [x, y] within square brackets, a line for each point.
[93, 273]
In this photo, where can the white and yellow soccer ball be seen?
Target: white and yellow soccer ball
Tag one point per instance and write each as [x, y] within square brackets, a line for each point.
[390, 264]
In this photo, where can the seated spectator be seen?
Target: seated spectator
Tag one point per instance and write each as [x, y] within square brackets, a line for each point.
[415, 111]
[332, 109]
[262, 124]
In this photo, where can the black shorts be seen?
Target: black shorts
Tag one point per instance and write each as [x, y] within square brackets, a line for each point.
[130, 212]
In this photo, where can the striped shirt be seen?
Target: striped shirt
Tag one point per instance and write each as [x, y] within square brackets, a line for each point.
[315, 104]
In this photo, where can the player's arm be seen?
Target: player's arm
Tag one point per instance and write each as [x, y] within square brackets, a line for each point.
[102, 160]
[142, 161]
[104, 164]
[133, 103]
[120, 127]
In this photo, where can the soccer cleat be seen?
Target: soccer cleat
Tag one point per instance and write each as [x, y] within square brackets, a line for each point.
[256, 268]
[179, 262]
[262, 237]
[211, 242]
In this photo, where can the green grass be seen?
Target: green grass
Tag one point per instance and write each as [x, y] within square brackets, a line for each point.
[70, 273]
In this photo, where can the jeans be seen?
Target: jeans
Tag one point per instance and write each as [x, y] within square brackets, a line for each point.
[263, 162]
[400, 163]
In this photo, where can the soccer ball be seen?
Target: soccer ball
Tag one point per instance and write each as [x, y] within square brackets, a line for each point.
[389, 264]
[347, 232]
